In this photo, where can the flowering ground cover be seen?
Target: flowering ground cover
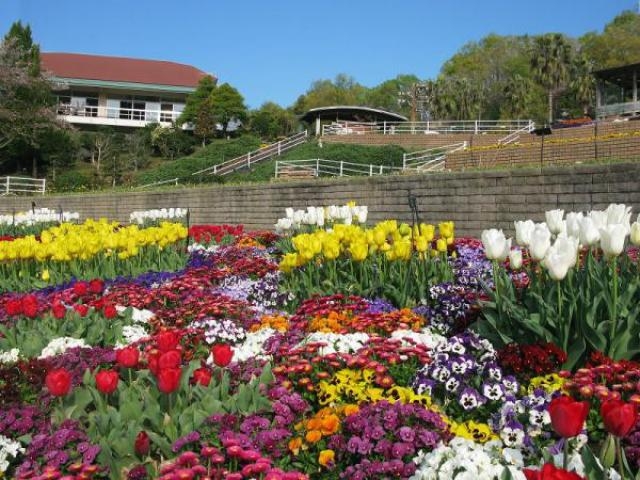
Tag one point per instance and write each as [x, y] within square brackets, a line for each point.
[333, 350]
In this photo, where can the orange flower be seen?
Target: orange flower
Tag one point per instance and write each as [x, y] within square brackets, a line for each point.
[313, 436]
[295, 444]
[351, 409]
[326, 458]
[330, 424]
[314, 424]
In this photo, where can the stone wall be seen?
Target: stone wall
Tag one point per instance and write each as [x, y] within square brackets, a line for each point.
[474, 200]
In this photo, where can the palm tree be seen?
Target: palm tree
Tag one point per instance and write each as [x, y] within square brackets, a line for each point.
[550, 61]
[516, 96]
[583, 82]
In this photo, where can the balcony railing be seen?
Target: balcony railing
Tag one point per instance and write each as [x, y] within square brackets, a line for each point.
[115, 116]
[18, 185]
[500, 127]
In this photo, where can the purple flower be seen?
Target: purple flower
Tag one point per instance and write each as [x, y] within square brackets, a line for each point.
[406, 434]
[470, 399]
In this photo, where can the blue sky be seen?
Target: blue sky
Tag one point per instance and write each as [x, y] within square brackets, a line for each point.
[273, 50]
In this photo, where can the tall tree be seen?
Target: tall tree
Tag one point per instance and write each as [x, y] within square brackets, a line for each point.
[551, 57]
[271, 121]
[206, 85]
[227, 105]
[619, 43]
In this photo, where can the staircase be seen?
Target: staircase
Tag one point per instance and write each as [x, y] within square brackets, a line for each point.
[513, 137]
[251, 158]
[430, 160]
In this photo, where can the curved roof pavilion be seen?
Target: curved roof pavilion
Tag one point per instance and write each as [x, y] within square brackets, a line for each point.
[350, 113]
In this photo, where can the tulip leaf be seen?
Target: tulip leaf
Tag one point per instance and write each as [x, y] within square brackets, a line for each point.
[575, 352]
[592, 468]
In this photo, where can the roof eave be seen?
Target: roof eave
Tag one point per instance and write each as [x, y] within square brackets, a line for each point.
[147, 87]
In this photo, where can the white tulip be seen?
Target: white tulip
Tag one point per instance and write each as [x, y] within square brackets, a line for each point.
[540, 241]
[515, 258]
[554, 221]
[561, 257]
[523, 232]
[619, 214]
[573, 223]
[635, 233]
[599, 218]
[320, 216]
[298, 217]
[589, 233]
[496, 246]
[361, 213]
[612, 239]
[289, 213]
[283, 225]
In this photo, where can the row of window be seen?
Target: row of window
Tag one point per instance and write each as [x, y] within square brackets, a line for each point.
[131, 108]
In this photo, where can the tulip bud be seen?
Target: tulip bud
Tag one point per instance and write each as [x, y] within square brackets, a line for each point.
[635, 233]
[515, 258]
[608, 452]
[540, 242]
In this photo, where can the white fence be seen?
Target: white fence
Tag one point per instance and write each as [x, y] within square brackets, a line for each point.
[15, 185]
[477, 127]
[431, 159]
[320, 167]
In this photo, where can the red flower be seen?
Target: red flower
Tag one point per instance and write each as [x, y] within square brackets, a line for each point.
[142, 444]
[110, 311]
[167, 341]
[222, 354]
[550, 472]
[96, 286]
[202, 376]
[128, 357]
[13, 307]
[58, 382]
[152, 361]
[81, 309]
[170, 359]
[80, 288]
[568, 416]
[107, 381]
[169, 379]
[618, 417]
[30, 306]
[59, 310]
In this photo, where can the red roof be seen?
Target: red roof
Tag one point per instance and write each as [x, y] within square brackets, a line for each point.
[119, 69]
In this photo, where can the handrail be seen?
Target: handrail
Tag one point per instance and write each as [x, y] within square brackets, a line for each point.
[418, 160]
[431, 127]
[162, 182]
[248, 159]
[13, 185]
[120, 113]
[338, 168]
[514, 136]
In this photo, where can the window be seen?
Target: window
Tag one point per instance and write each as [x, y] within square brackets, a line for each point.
[166, 112]
[91, 107]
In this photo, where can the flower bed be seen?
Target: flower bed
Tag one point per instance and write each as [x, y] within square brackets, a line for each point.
[307, 357]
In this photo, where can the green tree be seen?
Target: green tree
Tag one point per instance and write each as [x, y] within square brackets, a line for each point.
[26, 104]
[393, 95]
[271, 121]
[172, 142]
[619, 43]
[227, 105]
[58, 151]
[205, 122]
[206, 85]
[551, 57]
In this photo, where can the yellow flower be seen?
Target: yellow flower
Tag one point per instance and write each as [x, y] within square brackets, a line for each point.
[326, 458]
[45, 275]
[441, 245]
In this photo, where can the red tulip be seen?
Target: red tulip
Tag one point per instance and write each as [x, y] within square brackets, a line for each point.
[169, 379]
[80, 288]
[128, 357]
[550, 472]
[167, 341]
[142, 444]
[58, 382]
[58, 310]
[618, 417]
[107, 381]
[109, 311]
[202, 376]
[96, 286]
[82, 309]
[30, 306]
[170, 359]
[13, 307]
[222, 354]
[568, 416]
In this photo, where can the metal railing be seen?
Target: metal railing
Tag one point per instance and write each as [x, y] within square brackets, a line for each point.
[118, 113]
[626, 108]
[162, 182]
[432, 159]
[428, 128]
[318, 167]
[15, 185]
[251, 158]
[515, 136]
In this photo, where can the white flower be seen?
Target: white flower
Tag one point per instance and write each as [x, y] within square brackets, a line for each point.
[612, 239]
[599, 217]
[561, 257]
[11, 356]
[60, 345]
[132, 334]
[540, 241]
[554, 221]
[424, 337]
[523, 232]
[283, 225]
[8, 448]
[496, 246]
[336, 343]
[589, 233]
[515, 258]
[573, 224]
[252, 347]
[635, 233]
[619, 214]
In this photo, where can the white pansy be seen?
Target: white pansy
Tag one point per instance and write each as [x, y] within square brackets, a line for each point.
[540, 241]
[496, 246]
[251, 347]
[554, 221]
[9, 449]
[132, 334]
[11, 356]
[523, 232]
[60, 345]
[137, 315]
[424, 337]
[612, 239]
[336, 343]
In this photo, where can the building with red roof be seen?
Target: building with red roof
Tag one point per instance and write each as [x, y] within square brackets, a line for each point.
[118, 91]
